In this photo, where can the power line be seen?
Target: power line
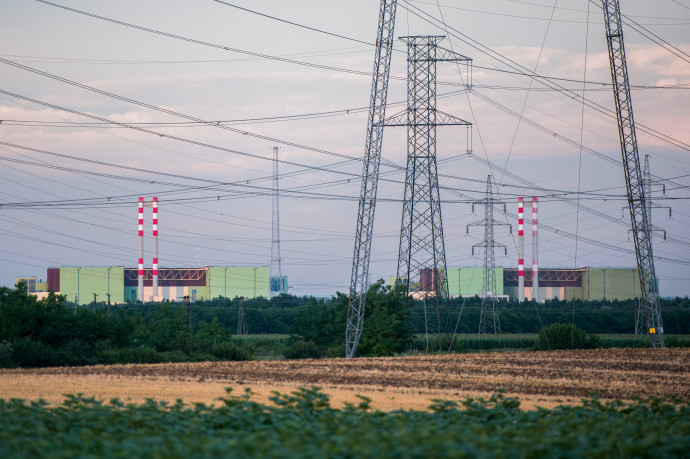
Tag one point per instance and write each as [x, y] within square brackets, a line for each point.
[313, 29]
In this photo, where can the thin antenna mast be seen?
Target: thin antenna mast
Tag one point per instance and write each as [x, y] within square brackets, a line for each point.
[277, 281]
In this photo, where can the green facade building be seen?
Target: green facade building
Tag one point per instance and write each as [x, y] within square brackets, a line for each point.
[119, 284]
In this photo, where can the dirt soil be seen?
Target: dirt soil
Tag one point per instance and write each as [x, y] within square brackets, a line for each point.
[536, 378]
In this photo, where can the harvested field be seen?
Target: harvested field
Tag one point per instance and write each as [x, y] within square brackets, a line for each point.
[536, 378]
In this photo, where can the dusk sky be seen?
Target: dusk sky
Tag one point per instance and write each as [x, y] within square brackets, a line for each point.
[297, 76]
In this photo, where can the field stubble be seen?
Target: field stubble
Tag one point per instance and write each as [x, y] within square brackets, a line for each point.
[536, 378]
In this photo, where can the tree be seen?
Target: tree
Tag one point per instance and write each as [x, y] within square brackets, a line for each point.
[387, 328]
[564, 336]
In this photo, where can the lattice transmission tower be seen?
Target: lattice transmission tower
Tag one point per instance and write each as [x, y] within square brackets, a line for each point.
[359, 281]
[648, 182]
[637, 203]
[422, 255]
[488, 317]
[242, 318]
[277, 282]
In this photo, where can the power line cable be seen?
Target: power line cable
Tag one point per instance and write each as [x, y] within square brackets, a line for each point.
[313, 29]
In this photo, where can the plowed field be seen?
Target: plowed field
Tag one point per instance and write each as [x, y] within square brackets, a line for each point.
[537, 378]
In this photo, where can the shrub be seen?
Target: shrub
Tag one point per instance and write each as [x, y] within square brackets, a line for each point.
[227, 350]
[141, 354]
[32, 354]
[109, 356]
[6, 354]
[564, 336]
[302, 349]
[676, 341]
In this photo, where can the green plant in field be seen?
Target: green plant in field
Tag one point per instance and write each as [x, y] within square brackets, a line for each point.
[564, 336]
[301, 349]
[304, 424]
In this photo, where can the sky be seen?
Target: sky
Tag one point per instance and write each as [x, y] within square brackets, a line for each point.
[297, 75]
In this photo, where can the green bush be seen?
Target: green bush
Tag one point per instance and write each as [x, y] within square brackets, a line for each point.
[302, 349]
[141, 354]
[564, 336]
[676, 341]
[6, 354]
[109, 356]
[29, 353]
[227, 350]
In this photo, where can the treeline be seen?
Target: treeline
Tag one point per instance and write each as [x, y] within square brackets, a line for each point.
[281, 315]
[51, 331]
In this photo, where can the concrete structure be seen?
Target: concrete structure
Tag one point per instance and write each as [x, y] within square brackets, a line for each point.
[468, 281]
[586, 284]
[30, 282]
[79, 284]
[120, 284]
[582, 283]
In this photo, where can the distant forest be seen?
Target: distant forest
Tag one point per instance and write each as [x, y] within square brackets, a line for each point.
[50, 332]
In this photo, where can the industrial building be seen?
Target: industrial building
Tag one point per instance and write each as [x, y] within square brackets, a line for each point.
[559, 283]
[33, 284]
[118, 284]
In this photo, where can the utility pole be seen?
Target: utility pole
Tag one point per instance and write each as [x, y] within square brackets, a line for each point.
[359, 280]
[422, 254]
[641, 226]
[94, 302]
[108, 295]
[488, 317]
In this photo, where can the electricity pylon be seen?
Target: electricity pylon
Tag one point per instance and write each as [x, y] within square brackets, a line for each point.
[359, 281]
[422, 255]
[637, 203]
[647, 180]
[488, 317]
[242, 318]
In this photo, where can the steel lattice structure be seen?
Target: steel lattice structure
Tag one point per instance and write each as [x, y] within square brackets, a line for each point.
[359, 280]
[641, 227]
[422, 256]
[549, 277]
[488, 316]
[242, 319]
[276, 276]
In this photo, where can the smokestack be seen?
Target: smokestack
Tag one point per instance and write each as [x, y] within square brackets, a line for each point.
[535, 252]
[154, 272]
[140, 280]
[521, 250]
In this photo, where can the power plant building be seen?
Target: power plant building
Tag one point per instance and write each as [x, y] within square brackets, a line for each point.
[118, 284]
[554, 283]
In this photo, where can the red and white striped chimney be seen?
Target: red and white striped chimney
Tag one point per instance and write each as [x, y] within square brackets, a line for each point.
[154, 272]
[140, 279]
[535, 252]
[521, 250]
